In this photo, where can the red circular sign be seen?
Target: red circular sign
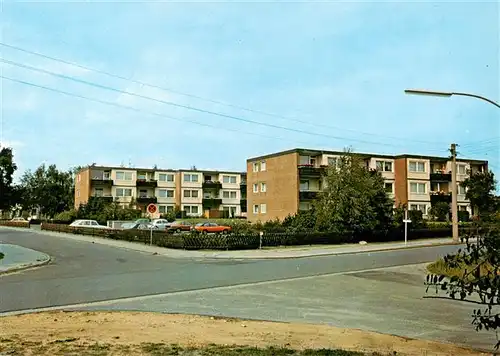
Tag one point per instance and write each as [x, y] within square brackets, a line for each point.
[151, 208]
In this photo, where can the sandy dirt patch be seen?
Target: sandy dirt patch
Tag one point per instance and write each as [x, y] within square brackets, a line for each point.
[126, 333]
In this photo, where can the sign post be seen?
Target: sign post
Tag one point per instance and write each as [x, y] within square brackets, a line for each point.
[260, 240]
[151, 209]
[406, 221]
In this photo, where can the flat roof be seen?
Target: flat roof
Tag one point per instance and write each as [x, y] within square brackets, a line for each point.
[304, 151]
[160, 170]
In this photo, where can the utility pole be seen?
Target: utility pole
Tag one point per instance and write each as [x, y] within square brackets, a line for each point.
[454, 192]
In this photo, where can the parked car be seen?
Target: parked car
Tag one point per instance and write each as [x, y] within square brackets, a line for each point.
[138, 226]
[88, 224]
[161, 224]
[19, 220]
[142, 221]
[210, 227]
[179, 226]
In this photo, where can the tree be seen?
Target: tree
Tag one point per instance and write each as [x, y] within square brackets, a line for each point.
[440, 211]
[7, 169]
[480, 188]
[354, 198]
[478, 275]
[50, 190]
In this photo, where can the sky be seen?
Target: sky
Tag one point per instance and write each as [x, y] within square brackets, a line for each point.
[273, 76]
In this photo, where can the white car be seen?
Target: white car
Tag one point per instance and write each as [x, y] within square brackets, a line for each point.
[161, 224]
[88, 223]
[19, 219]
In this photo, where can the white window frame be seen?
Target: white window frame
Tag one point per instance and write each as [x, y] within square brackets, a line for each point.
[263, 208]
[255, 208]
[189, 209]
[231, 194]
[464, 167]
[256, 167]
[263, 187]
[461, 187]
[306, 183]
[123, 192]
[417, 190]
[255, 187]
[392, 187]
[168, 177]
[263, 166]
[229, 179]
[384, 165]
[417, 164]
[190, 193]
[418, 206]
[188, 178]
[168, 193]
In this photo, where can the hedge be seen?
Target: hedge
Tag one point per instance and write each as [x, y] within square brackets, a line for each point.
[24, 224]
[237, 241]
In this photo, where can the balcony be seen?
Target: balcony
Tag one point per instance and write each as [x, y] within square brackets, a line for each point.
[147, 183]
[311, 171]
[210, 184]
[101, 181]
[146, 200]
[308, 195]
[440, 177]
[105, 198]
[209, 203]
[243, 205]
[437, 197]
[243, 186]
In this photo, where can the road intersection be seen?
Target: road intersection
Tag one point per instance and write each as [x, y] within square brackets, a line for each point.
[380, 291]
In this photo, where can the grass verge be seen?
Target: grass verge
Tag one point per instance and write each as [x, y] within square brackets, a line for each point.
[72, 346]
[440, 267]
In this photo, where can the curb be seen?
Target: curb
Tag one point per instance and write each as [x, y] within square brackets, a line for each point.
[335, 253]
[26, 266]
[200, 254]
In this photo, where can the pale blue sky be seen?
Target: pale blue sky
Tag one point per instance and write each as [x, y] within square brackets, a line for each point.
[334, 69]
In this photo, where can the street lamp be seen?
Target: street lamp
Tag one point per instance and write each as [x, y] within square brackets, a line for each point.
[448, 94]
[454, 205]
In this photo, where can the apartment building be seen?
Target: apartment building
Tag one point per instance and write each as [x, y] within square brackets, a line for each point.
[196, 192]
[285, 182]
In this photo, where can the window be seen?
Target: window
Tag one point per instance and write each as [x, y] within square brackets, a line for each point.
[123, 192]
[417, 166]
[163, 209]
[417, 188]
[263, 187]
[190, 193]
[304, 185]
[255, 209]
[79, 177]
[385, 166]
[332, 161]
[256, 167]
[461, 190]
[190, 178]
[165, 193]
[163, 177]
[462, 207]
[263, 208]
[191, 209]
[462, 169]
[421, 207]
[107, 175]
[141, 176]
[263, 166]
[227, 194]
[229, 179]
[255, 188]
[123, 175]
[388, 187]
[143, 193]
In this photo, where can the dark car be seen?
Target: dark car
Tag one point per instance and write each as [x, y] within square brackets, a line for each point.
[179, 226]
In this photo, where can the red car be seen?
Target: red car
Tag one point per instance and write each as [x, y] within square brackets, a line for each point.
[179, 226]
[210, 227]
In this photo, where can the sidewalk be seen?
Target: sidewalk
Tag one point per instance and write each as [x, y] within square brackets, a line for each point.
[17, 258]
[265, 253]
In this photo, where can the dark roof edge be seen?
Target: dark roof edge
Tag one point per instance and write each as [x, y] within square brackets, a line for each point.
[161, 170]
[315, 151]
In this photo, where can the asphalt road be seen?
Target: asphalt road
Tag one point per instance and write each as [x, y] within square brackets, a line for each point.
[82, 272]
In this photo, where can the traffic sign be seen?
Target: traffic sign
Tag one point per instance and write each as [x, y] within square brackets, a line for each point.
[152, 208]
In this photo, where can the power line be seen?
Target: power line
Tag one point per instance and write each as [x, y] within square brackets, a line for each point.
[494, 140]
[141, 111]
[105, 87]
[202, 98]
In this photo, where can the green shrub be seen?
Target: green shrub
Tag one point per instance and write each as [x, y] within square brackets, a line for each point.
[463, 216]
[67, 216]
